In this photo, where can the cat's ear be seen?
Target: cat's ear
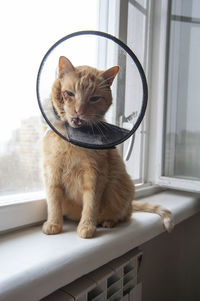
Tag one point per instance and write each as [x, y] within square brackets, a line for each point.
[64, 66]
[110, 74]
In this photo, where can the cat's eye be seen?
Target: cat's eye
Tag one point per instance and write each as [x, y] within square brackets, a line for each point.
[69, 93]
[94, 98]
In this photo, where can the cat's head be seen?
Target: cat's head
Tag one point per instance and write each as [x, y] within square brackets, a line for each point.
[82, 95]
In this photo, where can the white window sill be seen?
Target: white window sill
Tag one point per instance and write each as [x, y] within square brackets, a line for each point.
[32, 265]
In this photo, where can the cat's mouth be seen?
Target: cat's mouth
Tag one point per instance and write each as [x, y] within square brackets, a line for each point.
[77, 122]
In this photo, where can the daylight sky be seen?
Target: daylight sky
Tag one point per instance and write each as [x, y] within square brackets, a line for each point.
[28, 30]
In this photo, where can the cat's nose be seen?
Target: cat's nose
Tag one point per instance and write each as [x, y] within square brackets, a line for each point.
[79, 111]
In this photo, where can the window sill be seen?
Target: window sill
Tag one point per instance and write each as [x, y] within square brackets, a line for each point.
[33, 265]
[19, 211]
[23, 210]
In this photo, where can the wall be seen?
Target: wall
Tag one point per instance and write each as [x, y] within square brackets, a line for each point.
[171, 264]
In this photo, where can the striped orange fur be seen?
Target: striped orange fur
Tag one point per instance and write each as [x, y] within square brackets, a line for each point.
[88, 186]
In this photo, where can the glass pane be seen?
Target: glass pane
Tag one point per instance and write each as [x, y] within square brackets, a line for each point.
[30, 28]
[182, 146]
[186, 8]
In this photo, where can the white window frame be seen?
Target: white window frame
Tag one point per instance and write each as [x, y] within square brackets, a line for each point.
[20, 210]
[160, 23]
[116, 12]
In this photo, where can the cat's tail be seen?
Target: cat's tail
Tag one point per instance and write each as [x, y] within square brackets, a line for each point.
[164, 213]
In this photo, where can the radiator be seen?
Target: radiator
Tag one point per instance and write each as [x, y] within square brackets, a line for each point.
[117, 280]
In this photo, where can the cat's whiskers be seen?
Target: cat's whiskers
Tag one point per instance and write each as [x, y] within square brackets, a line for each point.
[103, 125]
[106, 126]
[91, 125]
[100, 130]
[92, 129]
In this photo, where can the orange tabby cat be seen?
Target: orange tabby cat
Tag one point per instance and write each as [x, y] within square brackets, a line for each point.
[86, 185]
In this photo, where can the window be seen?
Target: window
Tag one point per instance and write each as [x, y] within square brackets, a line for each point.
[20, 137]
[128, 20]
[165, 37]
[30, 28]
[175, 136]
[182, 134]
[137, 39]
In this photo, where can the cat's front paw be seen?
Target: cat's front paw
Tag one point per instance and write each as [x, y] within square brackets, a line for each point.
[50, 228]
[86, 230]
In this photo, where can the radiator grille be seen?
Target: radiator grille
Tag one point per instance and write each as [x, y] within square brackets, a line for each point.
[118, 280]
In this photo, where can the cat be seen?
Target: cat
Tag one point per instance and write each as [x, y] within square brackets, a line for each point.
[89, 186]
